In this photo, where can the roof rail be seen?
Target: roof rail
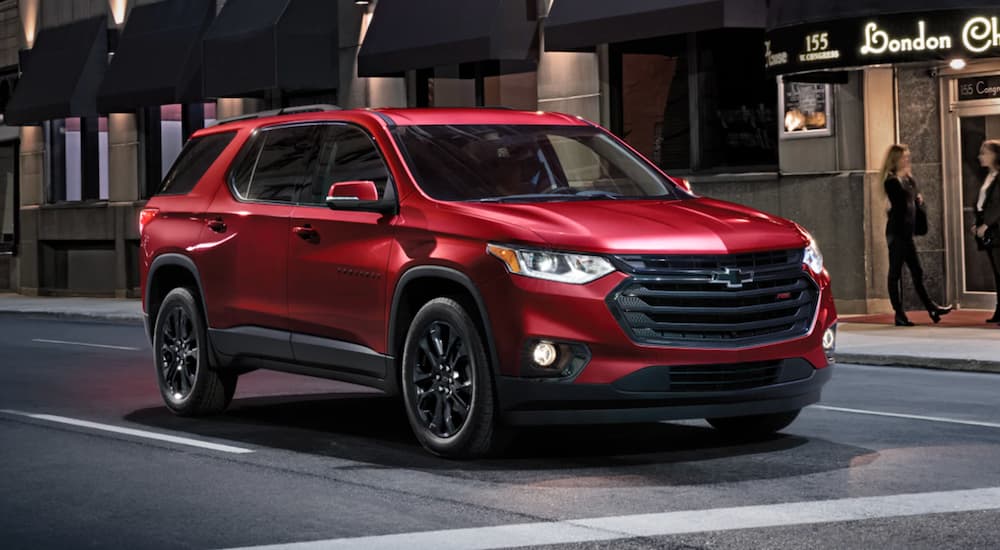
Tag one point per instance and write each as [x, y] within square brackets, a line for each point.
[320, 107]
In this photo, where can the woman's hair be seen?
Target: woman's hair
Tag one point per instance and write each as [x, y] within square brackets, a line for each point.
[993, 145]
[892, 157]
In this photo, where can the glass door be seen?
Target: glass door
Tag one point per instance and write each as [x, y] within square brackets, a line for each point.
[972, 277]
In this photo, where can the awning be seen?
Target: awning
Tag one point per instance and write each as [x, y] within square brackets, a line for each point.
[407, 34]
[158, 61]
[574, 25]
[782, 13]
[62, 73]
[259, 45]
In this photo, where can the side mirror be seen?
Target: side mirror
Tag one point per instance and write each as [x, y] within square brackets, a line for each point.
[357, 195]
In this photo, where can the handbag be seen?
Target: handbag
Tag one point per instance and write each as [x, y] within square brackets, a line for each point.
[920, 220]
[989, 239]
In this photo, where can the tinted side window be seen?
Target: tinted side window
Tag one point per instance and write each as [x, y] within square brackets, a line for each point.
[284, 165]
[245, 164]
[198, 155]
[346, 154]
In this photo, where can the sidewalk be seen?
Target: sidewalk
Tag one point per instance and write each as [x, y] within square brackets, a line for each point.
[108, 309]
[964, 343]
[936, 347]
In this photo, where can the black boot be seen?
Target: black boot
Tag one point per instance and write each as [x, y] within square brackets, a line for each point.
[902, 321]
[996, 316]
[936, 311]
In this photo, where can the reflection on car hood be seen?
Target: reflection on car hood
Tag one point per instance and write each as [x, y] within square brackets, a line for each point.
[699, 226]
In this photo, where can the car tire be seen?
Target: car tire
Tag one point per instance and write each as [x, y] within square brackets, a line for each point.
[446, 369]
[188, 383]
[756, 426]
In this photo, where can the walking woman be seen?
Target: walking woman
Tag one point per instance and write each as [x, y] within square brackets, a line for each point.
[988, 214]
[906, 204]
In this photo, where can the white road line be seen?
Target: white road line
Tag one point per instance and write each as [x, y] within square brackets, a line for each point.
[670, 523]
[135, 433]
[44, 341]
[911, 416]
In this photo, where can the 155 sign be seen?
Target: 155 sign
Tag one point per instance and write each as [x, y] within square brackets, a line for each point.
[818, 42]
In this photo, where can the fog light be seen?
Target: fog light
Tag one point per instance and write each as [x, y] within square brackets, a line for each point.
[544, 354]
[829, 339]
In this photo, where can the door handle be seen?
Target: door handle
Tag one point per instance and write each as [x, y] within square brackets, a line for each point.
[306, 232]
[217, 225]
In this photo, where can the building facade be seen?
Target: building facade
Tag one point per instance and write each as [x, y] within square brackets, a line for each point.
[786, 106]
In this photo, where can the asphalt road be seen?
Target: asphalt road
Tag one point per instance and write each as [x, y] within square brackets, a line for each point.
[299, 459]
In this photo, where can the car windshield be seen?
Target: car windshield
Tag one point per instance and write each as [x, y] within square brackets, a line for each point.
[523, 163]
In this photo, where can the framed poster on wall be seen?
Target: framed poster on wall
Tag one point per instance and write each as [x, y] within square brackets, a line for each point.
[806, 109]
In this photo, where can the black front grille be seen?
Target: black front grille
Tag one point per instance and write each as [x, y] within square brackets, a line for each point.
[715, 300]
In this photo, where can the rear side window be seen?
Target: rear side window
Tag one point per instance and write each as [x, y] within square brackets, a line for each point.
[198, 155]
[278, 165]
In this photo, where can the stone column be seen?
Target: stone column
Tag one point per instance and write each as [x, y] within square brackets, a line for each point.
[570, 83]
[123, 158]
[123, 188]
[880, 133]
[918, 100]
[32, 196]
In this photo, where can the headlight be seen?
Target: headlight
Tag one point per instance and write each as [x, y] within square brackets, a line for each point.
[813, 258]
[552, 266]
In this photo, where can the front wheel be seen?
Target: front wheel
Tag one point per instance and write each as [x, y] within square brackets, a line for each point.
[448, 384]
[756, 426]
[188, 385]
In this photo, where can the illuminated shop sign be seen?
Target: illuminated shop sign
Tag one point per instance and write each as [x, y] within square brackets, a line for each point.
[926, 36]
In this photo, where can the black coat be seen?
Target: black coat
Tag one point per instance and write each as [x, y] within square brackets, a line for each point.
[990, 214]
[902, 194]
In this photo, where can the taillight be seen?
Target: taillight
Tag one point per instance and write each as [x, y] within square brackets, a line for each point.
[146, 216]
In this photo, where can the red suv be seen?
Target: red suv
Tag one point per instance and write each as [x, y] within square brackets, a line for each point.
[496, 268]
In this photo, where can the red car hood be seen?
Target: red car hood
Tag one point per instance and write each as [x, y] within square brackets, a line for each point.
[701, 226]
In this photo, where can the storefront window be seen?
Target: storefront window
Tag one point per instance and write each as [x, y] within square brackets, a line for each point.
[79, 156]
[805, 109]
[725, 118]
[736, 101]
[652, 93]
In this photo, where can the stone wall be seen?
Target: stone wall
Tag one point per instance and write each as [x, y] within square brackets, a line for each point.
[920, 128]
[831, 207]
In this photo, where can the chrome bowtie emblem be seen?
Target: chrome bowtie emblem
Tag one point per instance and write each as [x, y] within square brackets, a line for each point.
[732, 278]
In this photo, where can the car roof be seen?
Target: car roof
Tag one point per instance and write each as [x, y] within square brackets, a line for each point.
[436, 116]
[407, 117]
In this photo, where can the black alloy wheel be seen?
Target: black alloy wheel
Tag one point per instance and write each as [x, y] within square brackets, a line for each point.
[444, 379]
[447, 383]
[189, 384]
[178, 354]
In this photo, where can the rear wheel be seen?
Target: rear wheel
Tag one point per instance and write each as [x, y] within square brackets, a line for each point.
[188, 384]
[448, 384]
[756, 426]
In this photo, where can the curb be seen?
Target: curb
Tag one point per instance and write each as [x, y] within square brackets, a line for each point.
[910, 361]
[124, 318]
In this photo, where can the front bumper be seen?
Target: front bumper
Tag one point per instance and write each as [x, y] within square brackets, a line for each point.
[534, 402]
[523, 310]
